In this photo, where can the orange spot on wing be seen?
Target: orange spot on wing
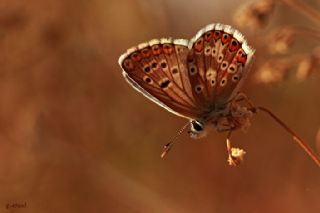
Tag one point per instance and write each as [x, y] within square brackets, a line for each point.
[208, 36]
[225, 38]
[234, 45]
[136, 56]
[156, 50]
[199, 45]
[128, 64]
[146, 52]
[241, 57]
[167, 48]
[217, 35]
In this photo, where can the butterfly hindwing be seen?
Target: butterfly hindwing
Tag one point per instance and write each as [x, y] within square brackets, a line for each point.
[158, 69]
[224, 55]
[196, 72]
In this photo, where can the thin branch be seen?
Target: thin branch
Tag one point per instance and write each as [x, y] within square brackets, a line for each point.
[307, 31]
[295, 137]
[305, 9]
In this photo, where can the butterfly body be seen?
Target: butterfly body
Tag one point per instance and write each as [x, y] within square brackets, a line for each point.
[196, 79]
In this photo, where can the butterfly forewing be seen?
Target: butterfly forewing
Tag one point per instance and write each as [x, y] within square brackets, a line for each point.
[158, 69]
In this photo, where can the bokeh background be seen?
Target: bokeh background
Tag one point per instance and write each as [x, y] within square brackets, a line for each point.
[74, 137]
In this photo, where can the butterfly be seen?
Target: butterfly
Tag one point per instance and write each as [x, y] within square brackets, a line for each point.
[197, 79]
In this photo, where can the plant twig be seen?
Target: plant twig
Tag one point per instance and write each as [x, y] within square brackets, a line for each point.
[295, 137]
[304, 9]
[307, 31]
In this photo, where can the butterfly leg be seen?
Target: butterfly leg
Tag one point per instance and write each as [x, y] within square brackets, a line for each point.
[226, 129]
[242, 97]
[226, 124]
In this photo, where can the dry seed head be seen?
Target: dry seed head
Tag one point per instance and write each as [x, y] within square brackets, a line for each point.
[308, 65]
[255, 15]
[273, 71]
[281, 40]
[236, 157]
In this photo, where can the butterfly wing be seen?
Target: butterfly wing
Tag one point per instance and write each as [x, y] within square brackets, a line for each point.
[222, 57]
[190, 79]
[158, 69]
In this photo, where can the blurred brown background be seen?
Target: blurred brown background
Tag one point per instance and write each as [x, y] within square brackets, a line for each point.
[74, 137]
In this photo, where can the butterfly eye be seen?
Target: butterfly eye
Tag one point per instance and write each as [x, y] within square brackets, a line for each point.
[196, 126]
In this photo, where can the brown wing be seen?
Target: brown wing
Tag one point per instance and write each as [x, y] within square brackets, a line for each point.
[222, 56]
[158, 69]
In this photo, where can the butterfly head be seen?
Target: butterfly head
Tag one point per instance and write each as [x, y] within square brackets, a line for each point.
[197, 129]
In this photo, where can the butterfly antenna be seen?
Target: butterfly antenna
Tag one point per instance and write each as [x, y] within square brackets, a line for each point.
[169, 145]
[295, 137]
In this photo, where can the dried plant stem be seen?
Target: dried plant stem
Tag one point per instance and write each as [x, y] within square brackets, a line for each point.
[304, 9]
[308, 31]
[296, 138]
[292, 59]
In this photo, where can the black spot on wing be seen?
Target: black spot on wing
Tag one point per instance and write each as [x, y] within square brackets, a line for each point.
[165, 84]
